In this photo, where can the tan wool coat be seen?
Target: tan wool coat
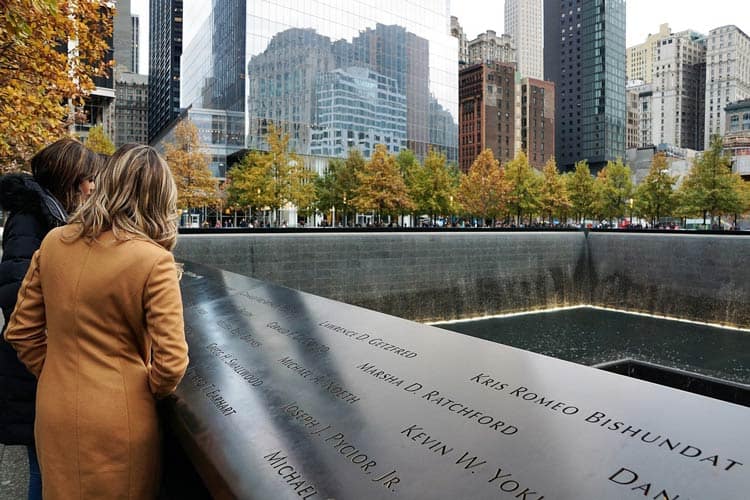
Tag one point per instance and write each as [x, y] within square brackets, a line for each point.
[100, 325]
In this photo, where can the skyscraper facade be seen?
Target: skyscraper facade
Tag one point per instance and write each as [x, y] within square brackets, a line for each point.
[640, 57]
[537, 116]
[165, 48]
[487, 116]
[131, 108]
[678, 80]
[136, 26]
[122, 36]
[584, 55]
[523, 22]
[307, 67]
[727, 75]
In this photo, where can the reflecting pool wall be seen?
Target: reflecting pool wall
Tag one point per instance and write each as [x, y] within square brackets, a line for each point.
[451, 275]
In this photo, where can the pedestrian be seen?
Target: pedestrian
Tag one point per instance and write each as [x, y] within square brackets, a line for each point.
[99, 323]
[62, 176]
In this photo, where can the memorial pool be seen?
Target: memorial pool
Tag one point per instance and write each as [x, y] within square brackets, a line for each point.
[591, 336]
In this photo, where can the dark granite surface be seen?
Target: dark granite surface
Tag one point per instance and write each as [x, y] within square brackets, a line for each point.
[290, 395]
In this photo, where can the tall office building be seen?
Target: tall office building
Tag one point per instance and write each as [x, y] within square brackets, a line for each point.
[299, 57]
[536, 132]
[633, 126]
[727, 75]
[523, 22]
[165, 48]
[131, 108]
[463, 43]
[122, 36]
[584, 55]
[136, 26]
[487, 112]
[640, 57]
[678, 81]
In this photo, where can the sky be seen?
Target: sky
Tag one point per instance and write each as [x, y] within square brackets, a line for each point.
[643, 18]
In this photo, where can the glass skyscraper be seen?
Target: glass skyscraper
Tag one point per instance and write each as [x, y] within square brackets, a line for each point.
[584, 54]
[333, 74]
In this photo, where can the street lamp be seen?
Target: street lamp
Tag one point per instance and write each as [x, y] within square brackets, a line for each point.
[451, 201]
[345, 217]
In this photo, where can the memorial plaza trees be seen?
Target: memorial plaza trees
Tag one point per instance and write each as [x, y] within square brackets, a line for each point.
[711, 189]
[553, 195]
[196, 186]
[49, 52]
[483, 192]
[613, 188]
[525, 188]
[580, 186]
[380, 186]
[431, 186]
[98, 141]
[655, 196]
[334, 190]
[274, 179]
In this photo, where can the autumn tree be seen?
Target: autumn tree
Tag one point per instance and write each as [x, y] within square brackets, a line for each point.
[196, 186]
[274, 178]
[380, 186]
[655, 196]
[250, 182]
[613, 188]
[553, 195]
[50, 51]
[99, 142]
[483, 191]
[580, 186]
[711, 188]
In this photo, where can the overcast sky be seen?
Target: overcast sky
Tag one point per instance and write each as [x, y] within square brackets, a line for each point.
[643, 17]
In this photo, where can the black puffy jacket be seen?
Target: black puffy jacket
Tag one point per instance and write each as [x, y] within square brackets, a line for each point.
[33, 213]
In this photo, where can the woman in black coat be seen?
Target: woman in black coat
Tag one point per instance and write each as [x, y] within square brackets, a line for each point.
[62, 174]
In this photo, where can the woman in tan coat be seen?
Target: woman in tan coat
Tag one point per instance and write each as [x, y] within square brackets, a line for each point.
[99, 322]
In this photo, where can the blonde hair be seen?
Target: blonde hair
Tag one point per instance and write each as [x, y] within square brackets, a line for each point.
[135, 197]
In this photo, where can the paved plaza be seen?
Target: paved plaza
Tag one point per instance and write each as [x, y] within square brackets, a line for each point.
[14, 474]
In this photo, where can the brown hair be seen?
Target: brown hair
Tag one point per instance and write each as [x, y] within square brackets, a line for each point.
[62, 166]
[135, 196]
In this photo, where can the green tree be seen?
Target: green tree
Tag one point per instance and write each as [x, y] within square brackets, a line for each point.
[431, 186]
[336, 188]
[580, 185]
[525, 187]
[196, 186]
[380, 186]
[99, 142]
[553, 195]
[655, 196]
[43, 80]
[711, 188]
[251, 183]
[274, 178]
[483, 191]
[613, 188]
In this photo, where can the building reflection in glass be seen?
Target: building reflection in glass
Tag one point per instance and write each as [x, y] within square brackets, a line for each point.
[333, 74]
